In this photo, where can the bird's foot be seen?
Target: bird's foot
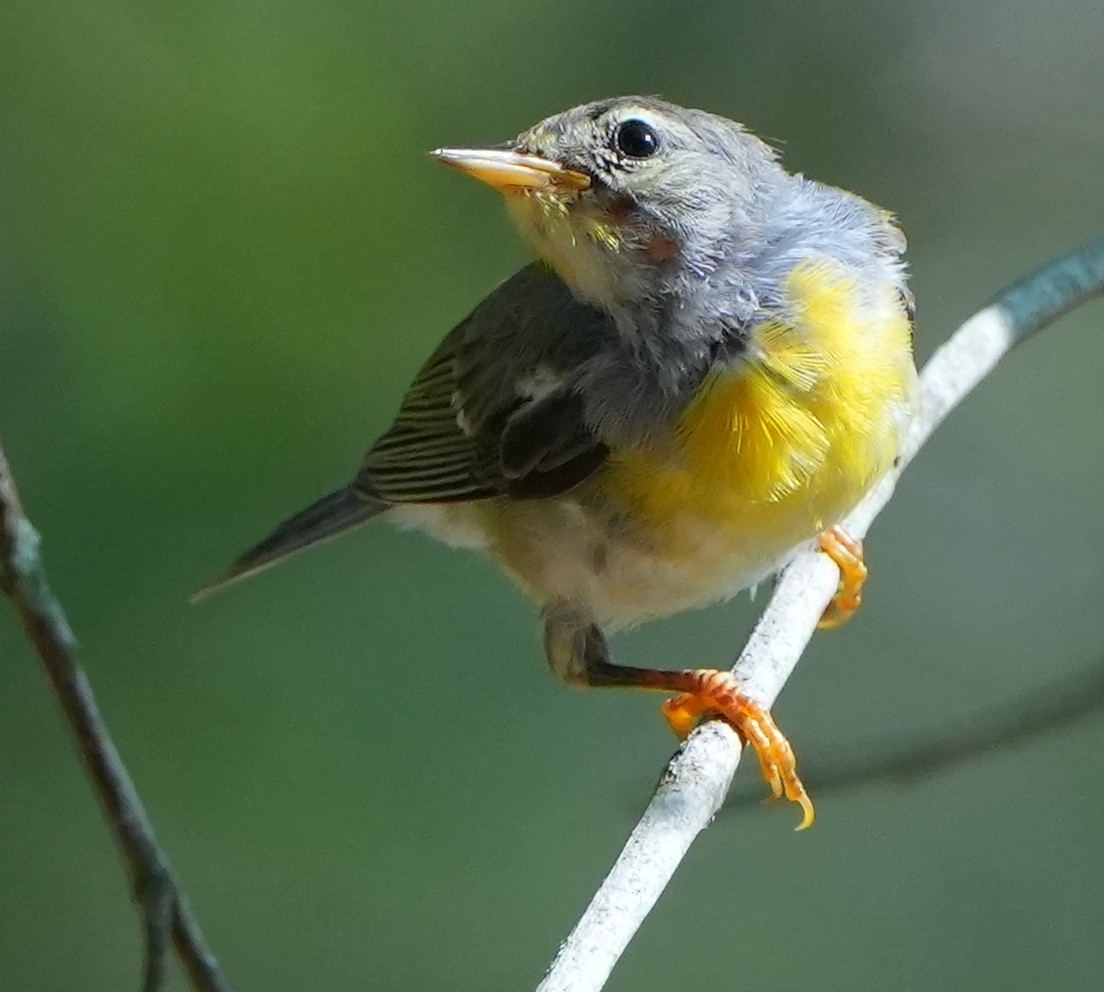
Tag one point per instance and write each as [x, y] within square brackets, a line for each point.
[847, 553]
[709, 690]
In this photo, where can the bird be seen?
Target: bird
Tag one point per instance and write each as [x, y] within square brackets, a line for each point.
[707, 363]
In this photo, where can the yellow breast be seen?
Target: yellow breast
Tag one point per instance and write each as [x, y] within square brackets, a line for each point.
[781, 445]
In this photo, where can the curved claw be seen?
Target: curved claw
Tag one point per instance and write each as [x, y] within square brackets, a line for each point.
[714, 691]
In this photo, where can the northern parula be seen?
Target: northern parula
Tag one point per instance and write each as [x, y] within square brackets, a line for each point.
[709, 364]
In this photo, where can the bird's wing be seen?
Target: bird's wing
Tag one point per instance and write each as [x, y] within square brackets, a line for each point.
[494, 412]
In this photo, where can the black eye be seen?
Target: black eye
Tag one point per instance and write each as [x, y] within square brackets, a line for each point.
[636, 139]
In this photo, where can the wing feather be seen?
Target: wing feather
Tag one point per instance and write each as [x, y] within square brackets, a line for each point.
[494, 412]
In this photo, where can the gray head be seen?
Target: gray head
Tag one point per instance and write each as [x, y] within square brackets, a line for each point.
[632, 198]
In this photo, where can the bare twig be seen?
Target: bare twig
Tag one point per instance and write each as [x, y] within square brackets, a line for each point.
[696, 780]
[165, 912]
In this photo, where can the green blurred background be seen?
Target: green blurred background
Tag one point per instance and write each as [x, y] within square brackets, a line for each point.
[223, 255]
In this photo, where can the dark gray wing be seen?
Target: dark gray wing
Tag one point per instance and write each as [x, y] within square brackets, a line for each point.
[494, 412]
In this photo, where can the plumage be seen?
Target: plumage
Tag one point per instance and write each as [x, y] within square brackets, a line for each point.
[708, 364]
[775, 343]
[323, 520]
[494, 411]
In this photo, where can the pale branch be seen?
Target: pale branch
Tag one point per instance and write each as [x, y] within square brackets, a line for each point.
[696, 780]
[166, 915]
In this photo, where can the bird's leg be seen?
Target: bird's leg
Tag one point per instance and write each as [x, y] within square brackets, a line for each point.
[847, 552]
[577, 652]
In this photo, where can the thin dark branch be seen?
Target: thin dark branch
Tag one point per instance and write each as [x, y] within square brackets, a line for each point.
[165, 912]
[904, 760]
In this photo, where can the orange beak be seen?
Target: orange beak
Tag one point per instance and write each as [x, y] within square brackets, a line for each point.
[507, 171]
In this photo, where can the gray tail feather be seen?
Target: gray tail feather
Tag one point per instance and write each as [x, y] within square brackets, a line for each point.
[333, 514]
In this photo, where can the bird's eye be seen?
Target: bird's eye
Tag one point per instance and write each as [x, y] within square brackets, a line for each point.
[636, 139]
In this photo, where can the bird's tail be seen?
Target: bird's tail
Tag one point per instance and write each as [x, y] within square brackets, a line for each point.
[333, 514]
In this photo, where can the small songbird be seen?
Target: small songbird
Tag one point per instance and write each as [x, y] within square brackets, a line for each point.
[707, 366]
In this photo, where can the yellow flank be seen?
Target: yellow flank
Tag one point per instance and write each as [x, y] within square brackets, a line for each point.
[789, 439]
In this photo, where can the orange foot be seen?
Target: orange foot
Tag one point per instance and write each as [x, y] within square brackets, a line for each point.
[710, 690]
[847, 553]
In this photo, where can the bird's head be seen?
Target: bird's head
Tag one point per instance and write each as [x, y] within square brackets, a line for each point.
[630, 198]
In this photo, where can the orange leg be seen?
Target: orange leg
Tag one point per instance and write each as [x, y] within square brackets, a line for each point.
[709, 690]
[577, 652]
[847, 553]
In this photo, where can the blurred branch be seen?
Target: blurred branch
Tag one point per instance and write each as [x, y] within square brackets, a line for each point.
[165, 912]
[695, 782]
[903, 760]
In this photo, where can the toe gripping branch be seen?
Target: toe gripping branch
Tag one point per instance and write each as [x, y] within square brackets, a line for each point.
[847, 552]
[578, 653]
[709, 690]
[703, 691]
